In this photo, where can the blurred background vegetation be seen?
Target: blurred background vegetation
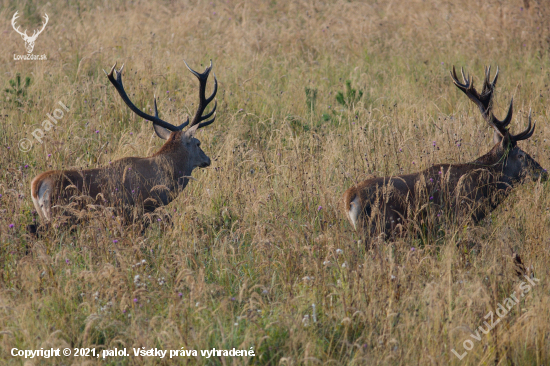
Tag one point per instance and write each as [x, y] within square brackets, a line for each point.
[314, 97]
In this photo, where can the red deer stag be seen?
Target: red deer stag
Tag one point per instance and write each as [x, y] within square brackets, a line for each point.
[474, 189]
[133, 185]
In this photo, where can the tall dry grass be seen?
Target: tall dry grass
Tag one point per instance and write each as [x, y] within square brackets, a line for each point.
[259, 238]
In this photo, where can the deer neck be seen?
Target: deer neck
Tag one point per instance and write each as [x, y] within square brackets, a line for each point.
[175, 165]
[494, 160]
[500, 184]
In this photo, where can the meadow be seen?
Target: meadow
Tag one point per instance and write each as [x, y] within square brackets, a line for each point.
[314, 96]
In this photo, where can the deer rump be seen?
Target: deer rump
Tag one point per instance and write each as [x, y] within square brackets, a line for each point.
[394, 204]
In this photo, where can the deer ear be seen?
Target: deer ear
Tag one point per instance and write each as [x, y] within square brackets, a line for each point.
[161, 132]
[191, 131]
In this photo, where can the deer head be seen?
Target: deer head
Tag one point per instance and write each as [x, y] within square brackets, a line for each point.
[29, 41]
[178, 143]
[516, 163]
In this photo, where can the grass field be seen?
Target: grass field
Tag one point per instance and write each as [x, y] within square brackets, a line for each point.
[259, 253]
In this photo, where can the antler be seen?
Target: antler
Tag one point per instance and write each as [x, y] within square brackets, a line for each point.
[155, 119]
[35, 34]
[485, 101]
[525, 134]
[17, 29]
[203, 101]
[24, 34]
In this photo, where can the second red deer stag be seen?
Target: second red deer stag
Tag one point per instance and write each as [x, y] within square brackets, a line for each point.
[132, 185]
[472, 189]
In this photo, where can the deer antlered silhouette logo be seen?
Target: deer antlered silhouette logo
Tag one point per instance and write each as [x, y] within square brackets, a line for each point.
[29, 41]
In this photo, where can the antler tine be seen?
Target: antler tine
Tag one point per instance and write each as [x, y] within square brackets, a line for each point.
[500, 126]
[494, 82]
[489, 86]
[15, 16]
[119, 74]
[110, 72]
[202, 76]
[455, 79]
[211, 112]
[466, 79]
[203, 101]
[204, 124]
[527, 133]
[117, 83]
[209, 99]
[487, 74]
[506, 121]
[467, 85]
